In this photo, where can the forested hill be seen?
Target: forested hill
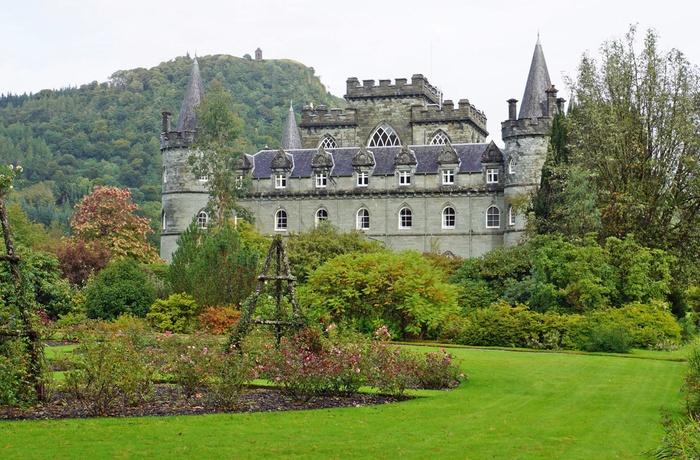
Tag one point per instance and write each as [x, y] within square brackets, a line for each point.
[107, 133]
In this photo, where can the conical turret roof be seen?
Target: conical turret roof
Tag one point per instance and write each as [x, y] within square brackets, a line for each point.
[290, 136]
[194, 95]
[534, 103]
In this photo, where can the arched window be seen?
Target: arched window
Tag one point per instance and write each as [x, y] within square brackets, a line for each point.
[202, 219]
[511, 216]
[511, 166]
[362, 219]
[163, 219]
[281, 220]
[321, 216]
[449, 217]
[328, 142]
[493, 217]
[383, 136]
[439, 138]
[405, 218]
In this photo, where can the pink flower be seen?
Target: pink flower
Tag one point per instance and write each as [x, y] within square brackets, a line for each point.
[205, 350]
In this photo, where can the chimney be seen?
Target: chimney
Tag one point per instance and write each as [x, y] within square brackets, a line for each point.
[551, 100]
[166, 122]
[512, 109]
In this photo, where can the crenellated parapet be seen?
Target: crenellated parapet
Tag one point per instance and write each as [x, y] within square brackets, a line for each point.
[419, 86]
[177, 139]
[321, 116]
[526, 127]
[448, 113]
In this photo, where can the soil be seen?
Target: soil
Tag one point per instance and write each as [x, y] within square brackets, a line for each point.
[167, 400]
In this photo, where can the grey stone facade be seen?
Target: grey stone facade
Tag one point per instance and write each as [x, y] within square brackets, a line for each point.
[398, 164]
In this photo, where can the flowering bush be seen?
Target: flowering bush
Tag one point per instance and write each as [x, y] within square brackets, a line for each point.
[437, 371]
[188, 361]
[111, 370]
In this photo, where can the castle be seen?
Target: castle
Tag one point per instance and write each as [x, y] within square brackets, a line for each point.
[398, 164]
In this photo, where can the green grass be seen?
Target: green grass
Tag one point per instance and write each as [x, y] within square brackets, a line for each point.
[515, 405]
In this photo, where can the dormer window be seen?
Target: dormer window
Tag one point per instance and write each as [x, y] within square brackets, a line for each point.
[492, 175]
[448, 177]
[404, 178]
[362, 179]
[321, 180]
[280, 180]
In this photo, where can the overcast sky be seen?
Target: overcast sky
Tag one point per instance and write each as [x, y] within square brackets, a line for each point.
[479, 51]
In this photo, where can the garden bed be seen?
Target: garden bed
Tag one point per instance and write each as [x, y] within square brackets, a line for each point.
[168, 400]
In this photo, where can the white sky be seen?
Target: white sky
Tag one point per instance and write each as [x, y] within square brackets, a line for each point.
[476, 50]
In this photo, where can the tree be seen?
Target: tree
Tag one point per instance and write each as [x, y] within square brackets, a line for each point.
[216, 266]
[106, 216]
[634, 133]
[219, 148]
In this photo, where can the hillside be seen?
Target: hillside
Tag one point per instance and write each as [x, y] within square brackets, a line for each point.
[107, 133]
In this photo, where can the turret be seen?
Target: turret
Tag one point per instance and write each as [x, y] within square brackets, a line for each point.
[526, 138]
[290, 136]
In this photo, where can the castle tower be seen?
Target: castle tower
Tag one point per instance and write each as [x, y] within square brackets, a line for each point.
[290, 136]
[182, 191]
[526, 140]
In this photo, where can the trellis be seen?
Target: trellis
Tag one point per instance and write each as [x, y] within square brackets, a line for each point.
[283, 280]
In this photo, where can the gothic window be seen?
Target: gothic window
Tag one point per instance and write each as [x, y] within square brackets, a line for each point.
[281, 220]
[202, 219]
[511, 166]
[404, 177]
[280, 181]
[492, 176]
[328, 142]
[363, 219]
[163, 219]
[405, 218]
[448, 177]
[384, 136]
[321, 180]
[448, 217]
[511, 216]
[493, 217]
[439, 138]
[321, 216]
[362, 179]
[165, 175]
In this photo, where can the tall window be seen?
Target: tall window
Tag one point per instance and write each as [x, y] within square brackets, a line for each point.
[202, 219]
[448, 177]
[362, 179]
[448, 217]
[321, 180]
[280, 181]
[493, 217]
[439, 138]
[321, 216]
[492, 176]
[511, 216]
[363, 219]
[281, 220]
[405, 218]
[163, 219]
[404, 177]
[511, 166]
[165, 175]
[328, 142]
[383, 136]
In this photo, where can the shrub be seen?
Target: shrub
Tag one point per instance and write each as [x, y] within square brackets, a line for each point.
[112, 371]
[122, 287]
[218, 320]
[682, 440]
[607, 339]
[188, 362]
[177, 313]
[228, 377]
[692, 380]
[438, 371]
[14, 386]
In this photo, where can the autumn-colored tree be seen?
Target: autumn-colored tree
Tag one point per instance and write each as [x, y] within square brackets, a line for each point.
[107, 216]
[78, 259]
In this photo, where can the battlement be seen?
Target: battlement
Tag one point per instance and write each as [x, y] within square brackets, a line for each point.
[526, 127]
[321, 116]
[448, 113]
[177, 139]
[419, 87]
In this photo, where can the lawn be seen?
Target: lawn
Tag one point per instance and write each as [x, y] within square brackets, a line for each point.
[515, 405]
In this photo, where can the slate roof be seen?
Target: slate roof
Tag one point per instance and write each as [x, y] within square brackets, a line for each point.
[194, 95]
[426, 155]
[534, 103]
